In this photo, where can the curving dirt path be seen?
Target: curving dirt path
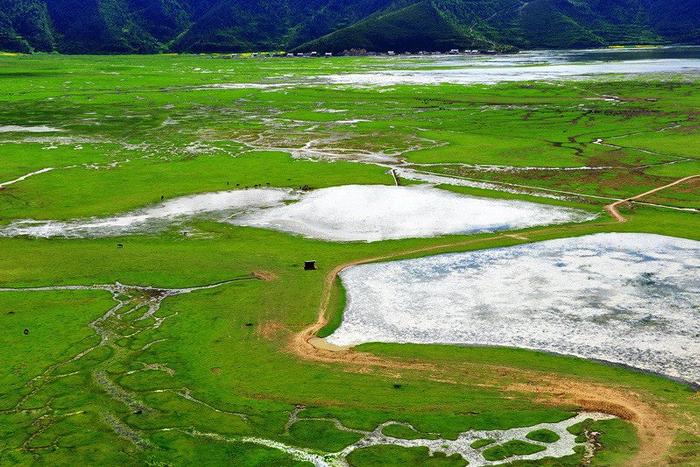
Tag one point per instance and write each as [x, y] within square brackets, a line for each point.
[308, 346]
[612, 208]
[656, 429]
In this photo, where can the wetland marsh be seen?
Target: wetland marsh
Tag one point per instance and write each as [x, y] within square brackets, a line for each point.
[344, 213]
[156, 213]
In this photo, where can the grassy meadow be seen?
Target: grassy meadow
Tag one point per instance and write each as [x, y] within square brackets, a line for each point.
[187, 384]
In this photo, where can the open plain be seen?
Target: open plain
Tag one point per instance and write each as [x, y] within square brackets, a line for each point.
[156, 213]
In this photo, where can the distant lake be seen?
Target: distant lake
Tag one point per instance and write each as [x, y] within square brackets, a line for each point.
[538, 65]
[529, 57]
[635, 53]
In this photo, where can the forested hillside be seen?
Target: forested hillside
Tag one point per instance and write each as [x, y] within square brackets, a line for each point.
[150, 26]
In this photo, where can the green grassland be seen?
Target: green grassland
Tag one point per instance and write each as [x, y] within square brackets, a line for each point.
[511, 448]
[545, 436]
[185, 385]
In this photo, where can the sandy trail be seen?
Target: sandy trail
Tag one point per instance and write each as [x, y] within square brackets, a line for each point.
[612, 208]
[656, 429]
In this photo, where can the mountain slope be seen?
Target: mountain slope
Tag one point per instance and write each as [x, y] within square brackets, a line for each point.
[679, 21]
[556, 23]
[25, 26]
[396, 30]
[146, 26]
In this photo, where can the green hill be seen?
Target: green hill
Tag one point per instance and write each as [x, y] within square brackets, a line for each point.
[147, 26]
[396, 30]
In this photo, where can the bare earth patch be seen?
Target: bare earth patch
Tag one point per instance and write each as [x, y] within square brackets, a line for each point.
[271, 330]
[266, 276]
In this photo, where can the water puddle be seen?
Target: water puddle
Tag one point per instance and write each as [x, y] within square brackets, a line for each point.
[235, 86]
[374, 213]
[26, 176]
[28, 129]
[624, 298]
[154, 218]
[345, 213]
[462, 446]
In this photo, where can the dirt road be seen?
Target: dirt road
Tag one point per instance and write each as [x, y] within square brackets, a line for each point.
[612, 208]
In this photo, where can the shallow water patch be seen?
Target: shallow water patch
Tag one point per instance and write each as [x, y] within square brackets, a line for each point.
[467, 445]
[374, 213]
[485, 72]
[28, 129]
[345, 213]
[222, 203]
[26, 176]
[625, 298]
